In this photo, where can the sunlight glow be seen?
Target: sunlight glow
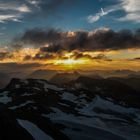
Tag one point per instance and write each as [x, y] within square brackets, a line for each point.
[70, 62]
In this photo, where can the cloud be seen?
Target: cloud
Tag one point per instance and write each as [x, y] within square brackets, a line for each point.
[4, 55]
[96, 17]
[92, 19]
[56, 41]
[40, 36]
[130, 7]
[39, 56]
[35, 3]
[62, 56]
[80, 55]
[54, 44]
[14, 7]
[137, 58]
[10, 17]
[14, 10]
[23, 8]
[132, 10]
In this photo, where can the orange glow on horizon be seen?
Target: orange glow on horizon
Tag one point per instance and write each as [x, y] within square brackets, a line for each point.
[119, 59]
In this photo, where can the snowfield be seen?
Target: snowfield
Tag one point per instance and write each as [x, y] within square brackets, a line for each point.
[67, 114]
[4, 98]
[36, 132]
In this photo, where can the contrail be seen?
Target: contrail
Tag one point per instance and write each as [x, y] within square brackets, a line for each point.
[103, 13]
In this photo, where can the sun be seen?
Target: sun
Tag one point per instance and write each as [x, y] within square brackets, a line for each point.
[70, 62]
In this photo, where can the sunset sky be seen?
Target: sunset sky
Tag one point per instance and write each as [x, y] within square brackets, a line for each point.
[70, 34]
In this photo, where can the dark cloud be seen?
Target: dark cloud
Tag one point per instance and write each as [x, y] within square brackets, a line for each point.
[27, 57]
[40, 37]
[59, 41]
[53, 48]
[4, 55]
[137, 58]
[40, 56]
[43, 56]
[16, 45]
[101, 56]
[78, 55]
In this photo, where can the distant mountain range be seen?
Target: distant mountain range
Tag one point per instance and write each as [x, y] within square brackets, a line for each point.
[48, 74]
[42, 74]
[64, 78]
[4, 79]
[61, 78]
[133, 82]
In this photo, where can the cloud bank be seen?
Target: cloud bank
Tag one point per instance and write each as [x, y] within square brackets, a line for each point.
[53, 41]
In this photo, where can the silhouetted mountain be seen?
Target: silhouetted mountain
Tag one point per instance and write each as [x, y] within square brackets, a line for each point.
[109, 73]
[42, 74]
[134, 75]
[35, 109]
[4, 80]
[63, 78]
[109, 88]
[133, 82]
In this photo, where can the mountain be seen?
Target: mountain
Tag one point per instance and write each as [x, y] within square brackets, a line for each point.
[108, 73]
[116, 90]
[35, 109]
[136, 75]
[4, 79]
[42, 74]
[133, 82]
[64, 78]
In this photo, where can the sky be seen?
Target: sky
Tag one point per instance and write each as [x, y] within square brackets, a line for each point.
[103, 32]
[17, 16]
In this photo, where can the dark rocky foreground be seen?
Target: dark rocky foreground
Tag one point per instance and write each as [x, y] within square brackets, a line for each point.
[86, 109]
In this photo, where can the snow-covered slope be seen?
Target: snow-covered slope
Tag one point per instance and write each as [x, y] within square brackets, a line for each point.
[45, 111]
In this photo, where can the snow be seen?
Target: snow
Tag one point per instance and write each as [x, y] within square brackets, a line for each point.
[25, 81]
[27, 94]
[58, 115]
[36, 88]
[110, 122]
[21, 105]
[17, 86]
[49, 86]
[5, 92]
[78, 100]
[77, 131]
[64, 104]
[68, 96]
[36, 132]
[105, 104]
[4, 98]
[53, 87]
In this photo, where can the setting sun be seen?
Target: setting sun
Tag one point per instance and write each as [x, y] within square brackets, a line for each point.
[70, 62]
